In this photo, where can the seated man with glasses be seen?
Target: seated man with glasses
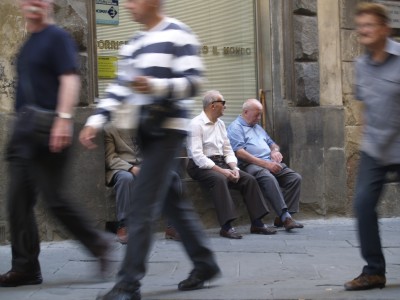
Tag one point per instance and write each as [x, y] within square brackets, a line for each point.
[213, 163]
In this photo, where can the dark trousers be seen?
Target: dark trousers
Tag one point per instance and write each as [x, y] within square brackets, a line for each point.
[280, 190]
[155, 193]
[218, 186]
[370, 181]
[44, 173]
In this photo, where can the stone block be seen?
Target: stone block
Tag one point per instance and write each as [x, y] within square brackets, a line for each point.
[84, 99]
[335, 179]
[353, 109]
[347, 8]
[305, 7]
[317, 141]
[305, 34]
[72, 16]
[306, 84]
[348, 77]
[389, 205]
[350, 46]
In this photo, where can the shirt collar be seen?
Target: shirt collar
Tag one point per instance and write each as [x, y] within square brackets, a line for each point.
[205, 119]
[392, 47]
[243, 122]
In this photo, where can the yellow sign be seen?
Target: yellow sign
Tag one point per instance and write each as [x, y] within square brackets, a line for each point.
[106, 67]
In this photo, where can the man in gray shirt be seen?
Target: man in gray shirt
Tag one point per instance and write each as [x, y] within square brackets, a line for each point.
[378, 87]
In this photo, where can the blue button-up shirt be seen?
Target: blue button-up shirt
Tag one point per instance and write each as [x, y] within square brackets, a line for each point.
[253, 139]
[378, 86]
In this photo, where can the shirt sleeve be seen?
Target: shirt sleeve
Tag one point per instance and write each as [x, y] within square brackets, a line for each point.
[227, 148]
[64, 53]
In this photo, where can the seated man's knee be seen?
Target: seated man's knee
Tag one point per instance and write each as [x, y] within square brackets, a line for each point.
[123, 178]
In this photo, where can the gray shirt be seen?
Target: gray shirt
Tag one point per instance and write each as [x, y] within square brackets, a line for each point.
[378, 86]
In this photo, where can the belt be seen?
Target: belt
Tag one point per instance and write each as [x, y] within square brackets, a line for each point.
[216, 157]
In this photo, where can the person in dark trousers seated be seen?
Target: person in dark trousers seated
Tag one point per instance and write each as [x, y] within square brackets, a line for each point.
[213, 163]
[260, 156]
[123, 158]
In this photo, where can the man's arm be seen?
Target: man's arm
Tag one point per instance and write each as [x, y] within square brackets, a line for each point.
[272, 166]
[276, 155]
[61, 132]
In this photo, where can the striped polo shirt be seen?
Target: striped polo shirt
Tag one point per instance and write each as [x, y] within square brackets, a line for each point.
[169, 54]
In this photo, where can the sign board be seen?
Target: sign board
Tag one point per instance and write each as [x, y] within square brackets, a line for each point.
[394, 12]
[106, 67]
[107, 12]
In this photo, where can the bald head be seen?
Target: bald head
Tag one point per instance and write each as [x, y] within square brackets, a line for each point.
[252, 111]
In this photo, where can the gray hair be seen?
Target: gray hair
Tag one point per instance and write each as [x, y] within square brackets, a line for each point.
[209, 97]
[249, 104]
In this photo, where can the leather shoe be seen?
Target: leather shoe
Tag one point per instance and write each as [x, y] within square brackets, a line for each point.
[120, 294]
[172, 234]
[230, 234]
[122, 235]
[278, 223]
[262, 230]
[12, 278]
[365, 282]
[197, 278]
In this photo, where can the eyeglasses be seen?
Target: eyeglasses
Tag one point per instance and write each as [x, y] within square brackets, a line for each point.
[368, 26]
[220, 101]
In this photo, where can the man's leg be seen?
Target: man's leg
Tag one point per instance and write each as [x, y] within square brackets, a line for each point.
[290, 184]
[23, 228]
[149, 194]
[50, 169]
[269, 187]
[181, 214]
[370, 180]
[216, 186]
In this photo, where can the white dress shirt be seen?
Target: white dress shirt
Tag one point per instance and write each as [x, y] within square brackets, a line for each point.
[208, 139]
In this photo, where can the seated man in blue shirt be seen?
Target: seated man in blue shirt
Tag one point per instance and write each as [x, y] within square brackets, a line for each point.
[259, 155]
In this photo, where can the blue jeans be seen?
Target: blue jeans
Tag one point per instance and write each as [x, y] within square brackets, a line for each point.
[369, 186]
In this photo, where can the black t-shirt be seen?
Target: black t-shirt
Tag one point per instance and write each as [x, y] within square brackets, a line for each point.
[42, 59]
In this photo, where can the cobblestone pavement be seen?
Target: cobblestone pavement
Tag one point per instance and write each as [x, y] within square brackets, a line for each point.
[309, 263]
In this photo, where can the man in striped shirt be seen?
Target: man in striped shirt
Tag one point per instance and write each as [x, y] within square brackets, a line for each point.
[161, 67]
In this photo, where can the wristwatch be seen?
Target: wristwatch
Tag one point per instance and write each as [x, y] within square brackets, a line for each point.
[63, 115]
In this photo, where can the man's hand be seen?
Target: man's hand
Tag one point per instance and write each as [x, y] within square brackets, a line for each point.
[273, 166]
[87, 136]
[142, 85]
[60, 135]
[135, 170]
[232, 175]
[276, 156]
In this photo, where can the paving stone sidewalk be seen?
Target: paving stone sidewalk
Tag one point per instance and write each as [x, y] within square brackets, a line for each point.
[309, 263]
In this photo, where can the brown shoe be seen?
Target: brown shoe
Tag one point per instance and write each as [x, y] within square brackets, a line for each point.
[262, 230]
[278, 223]
[172, 234]
[365, 282]
[12, 278]
[289, 224]
[230, 234]
[122, 235]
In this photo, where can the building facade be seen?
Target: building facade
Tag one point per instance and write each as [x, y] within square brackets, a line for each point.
[294, 55]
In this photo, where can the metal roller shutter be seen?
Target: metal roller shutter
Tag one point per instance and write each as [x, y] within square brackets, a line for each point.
[226, 30]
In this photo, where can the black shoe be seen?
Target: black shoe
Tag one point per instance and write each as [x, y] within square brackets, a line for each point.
[120, 294]
[197, 278]
[12, 278]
